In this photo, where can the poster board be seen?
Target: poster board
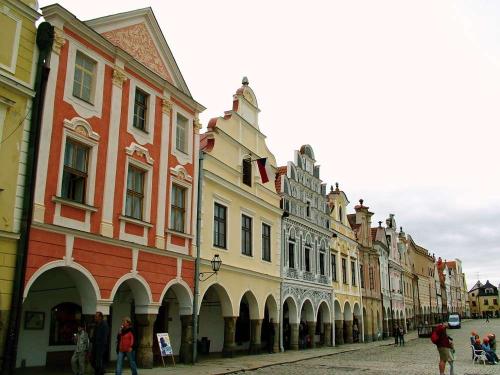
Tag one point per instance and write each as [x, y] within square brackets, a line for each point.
[165, 347]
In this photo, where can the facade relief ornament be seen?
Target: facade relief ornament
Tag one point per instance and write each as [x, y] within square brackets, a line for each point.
[140, 151]
[197, 125]
[59, 40]
[119, 76]
[82, 127]
[166, 105]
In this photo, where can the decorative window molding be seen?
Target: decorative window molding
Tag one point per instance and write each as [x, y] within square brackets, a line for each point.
[141, 151]
[81, 127]
[83, 108]
[180, 172]
[183, 157]
[142, 137]
[188, 216]
[14, 48]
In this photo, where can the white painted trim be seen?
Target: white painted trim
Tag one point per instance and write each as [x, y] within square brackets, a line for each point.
[183, 158]
[84, 109]
[111, 160]
[183, 284]
[15, 47]
[142, 137]
[45, 140]
[61, 263]
[132, 276]
[187, 218]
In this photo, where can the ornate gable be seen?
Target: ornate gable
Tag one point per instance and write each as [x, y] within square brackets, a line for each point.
[137, 32]
[136, 40]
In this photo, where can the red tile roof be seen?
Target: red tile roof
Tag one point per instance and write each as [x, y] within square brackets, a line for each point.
[277, 182]
[374, 233]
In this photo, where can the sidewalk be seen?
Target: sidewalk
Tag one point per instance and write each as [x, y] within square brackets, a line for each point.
[219, 366]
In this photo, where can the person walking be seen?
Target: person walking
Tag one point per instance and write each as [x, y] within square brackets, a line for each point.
[401, 333]
[99, 343]
[396, 335]
[487, 318]
[270, 338]
[125, 347]
[82, 347]
[440, 338]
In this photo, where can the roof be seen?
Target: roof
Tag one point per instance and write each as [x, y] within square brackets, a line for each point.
[452, 264]
[277, 182]
[352, 222]
[374, 233]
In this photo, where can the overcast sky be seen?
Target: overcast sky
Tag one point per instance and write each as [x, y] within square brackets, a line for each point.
[399, 100]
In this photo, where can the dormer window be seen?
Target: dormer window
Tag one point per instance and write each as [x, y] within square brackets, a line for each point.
[247, 171]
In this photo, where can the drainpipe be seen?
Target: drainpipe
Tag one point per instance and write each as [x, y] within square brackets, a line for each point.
[197, 261]
[44, 39]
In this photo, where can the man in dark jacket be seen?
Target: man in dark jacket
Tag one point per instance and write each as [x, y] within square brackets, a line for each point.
[99, 343]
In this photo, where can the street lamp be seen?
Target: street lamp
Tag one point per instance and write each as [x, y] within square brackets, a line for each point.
[216, 263]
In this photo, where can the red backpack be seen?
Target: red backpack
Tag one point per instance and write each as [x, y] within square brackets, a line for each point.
[434, 337]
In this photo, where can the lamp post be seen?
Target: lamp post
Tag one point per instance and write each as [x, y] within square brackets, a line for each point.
[216, 263]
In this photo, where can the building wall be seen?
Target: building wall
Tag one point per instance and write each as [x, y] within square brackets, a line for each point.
[17, 59]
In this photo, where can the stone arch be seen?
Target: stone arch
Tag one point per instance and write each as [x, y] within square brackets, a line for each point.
[253, 305]
[139, 287]
[183, 293]
[293, 316]
[225, 301]
[307, 307]
[338, 310]
[325, 312]
[272, 307]
[86, 284]
[347, 311]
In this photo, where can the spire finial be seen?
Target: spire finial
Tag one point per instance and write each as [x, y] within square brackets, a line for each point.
[331, 188]
[380, 224]
[337, 186]
[244, 81]
[361, 202]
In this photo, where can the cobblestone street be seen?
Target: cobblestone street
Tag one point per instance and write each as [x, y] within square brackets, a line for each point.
[419, 356]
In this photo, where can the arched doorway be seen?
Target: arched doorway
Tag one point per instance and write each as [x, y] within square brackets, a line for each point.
[248, 325]
[215, 319]
[271, 318]
[175, 317]
[339, 323]
[357, 323]
[323, 325]
[378, 331]
[307, 328]
[366, 328]
[290, 325]
[56, 298]
[348, 324]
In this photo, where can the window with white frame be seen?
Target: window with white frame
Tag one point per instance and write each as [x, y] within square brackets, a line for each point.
[181, 134]
[178, 208]
[334, 266]
[134, 201]
[75, 171]
[220, 225]
[84, 77]
[266, 242]
[291, 252]
[246, 235]
[322, 263]
[140, 109]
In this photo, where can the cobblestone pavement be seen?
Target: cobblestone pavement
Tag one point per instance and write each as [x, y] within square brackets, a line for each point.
[419, 356]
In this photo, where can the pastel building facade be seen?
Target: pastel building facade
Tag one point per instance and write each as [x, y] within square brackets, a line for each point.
[344, 259]
[113, 226]
[241, 223]
[18, 56]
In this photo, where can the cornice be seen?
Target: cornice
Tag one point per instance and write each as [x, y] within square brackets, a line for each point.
[244, 271]
[24, 8]
[16, 85]
[295, 220]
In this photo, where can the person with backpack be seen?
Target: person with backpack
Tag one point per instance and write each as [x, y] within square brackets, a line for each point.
[444, 346]
[126, 341]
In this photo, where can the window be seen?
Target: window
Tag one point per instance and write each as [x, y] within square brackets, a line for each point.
[140, 109]
[344, 270]
[308, 209]
[135, 192]
[334, 267]
[246, 235]
[371, 275]
[361, 276]
[353, 272]
[83, 81]
[181, 134]
[220, 213]
[247, 171]
[266, 242]
[64, 320]
[485, 302]
[473, 303]
[495, 302]
[178, 208]
[340, 213]
[322, 263]
[74, 180]
[308, 259]
[291, 255]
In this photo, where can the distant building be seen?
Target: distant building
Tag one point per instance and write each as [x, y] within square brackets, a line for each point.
[483, 300]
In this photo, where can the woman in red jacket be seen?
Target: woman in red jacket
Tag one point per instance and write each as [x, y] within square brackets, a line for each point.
[125, 347]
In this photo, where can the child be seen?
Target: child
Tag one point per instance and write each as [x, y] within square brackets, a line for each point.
[82, 347]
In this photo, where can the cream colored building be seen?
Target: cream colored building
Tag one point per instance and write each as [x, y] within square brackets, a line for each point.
[241, 222]
[345, 271]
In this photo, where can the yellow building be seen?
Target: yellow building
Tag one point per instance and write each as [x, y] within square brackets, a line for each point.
[241, 222]
[17, 57]
[345, 271]
[484, 300]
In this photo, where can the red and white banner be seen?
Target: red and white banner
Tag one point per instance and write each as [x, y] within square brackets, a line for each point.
[264, 169]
